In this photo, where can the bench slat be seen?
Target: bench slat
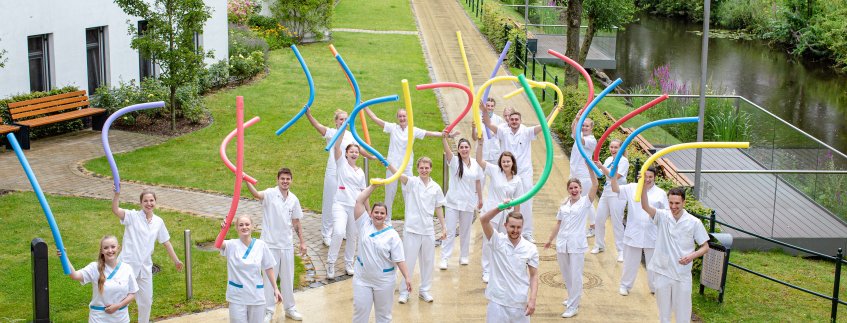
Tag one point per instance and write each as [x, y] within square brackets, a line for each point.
[67, 107]
[62, 117]
[40, 108]
[46, 98]
[4, 129]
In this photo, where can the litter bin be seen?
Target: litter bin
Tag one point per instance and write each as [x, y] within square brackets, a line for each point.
[715, 264]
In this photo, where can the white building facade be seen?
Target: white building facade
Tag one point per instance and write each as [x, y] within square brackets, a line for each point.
[84, 43]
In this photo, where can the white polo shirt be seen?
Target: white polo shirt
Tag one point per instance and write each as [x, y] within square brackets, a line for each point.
[398, 140]
[278, 212]
[640, 231]
[578, 167]
[350, 181]
[461, 194]
[421, 201]
[379, 250]
[346, 139]
[623, 170]
[244, 267]
[140, 238]
[518, 143]
[500, 188]
[676, 239]
[120, 282]
[571, 237]
[509, 281]
[491, 148]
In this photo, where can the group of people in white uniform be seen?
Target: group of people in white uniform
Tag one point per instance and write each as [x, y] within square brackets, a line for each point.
[260, 271]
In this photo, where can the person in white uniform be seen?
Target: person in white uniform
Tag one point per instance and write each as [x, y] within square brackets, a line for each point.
[142, 230]
[464, 195]
[677, 229]
[610, 205]
[504, 184]
[380, 254]
[571, 242]
[513, 287]
[351, 182]
[517, 139]
[281, 213]
[579, 169]
[246, 259]
[492, 151]
[640, 233]
[424, 198]
[113, 284]
[398, 139]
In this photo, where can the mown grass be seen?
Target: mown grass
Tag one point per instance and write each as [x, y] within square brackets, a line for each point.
[374, 15]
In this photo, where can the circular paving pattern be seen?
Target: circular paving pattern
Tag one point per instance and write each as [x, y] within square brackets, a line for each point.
[554, 279]
[546, 255]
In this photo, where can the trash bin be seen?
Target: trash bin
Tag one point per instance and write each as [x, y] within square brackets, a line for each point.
[715, 264]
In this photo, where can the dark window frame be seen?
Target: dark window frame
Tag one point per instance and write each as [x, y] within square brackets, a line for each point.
[43, 56]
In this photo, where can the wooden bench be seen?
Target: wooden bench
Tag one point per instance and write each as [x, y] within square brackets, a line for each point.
[4, 129]
[53, 109]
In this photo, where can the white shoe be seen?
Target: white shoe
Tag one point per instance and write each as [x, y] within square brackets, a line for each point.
[426, 297]
[590, 233]
[330, 271]
[327, 241]
[529, 237]
[293, 314]
[569, 313]
[403, 299]
[620, 257]
[485, 278]
[269, 317]
[623, 291]
[443, 264]
[597, 250]
[463, 261]
[349, 268]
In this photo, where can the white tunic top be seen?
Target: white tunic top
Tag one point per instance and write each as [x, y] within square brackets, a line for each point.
[571, 237]
[379, 250]
[518, 143]
[461, 194]
[491, 148]
[500, 189]
[421, 201]
[277, 215]
[623, 170]
[676, 239]
[120, 282]
[244, 267]
[639, 231]
[509, 281]
[346, 139]
[351, 182]
[398, 139]
[139, 240]
[578, 167]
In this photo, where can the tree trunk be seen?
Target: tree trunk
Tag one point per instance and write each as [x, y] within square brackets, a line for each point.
[573, 21]
[586, 41]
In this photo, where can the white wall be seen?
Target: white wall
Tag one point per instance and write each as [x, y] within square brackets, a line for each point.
[67, 20]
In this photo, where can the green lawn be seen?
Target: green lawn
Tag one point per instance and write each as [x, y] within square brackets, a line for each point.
[374, 15]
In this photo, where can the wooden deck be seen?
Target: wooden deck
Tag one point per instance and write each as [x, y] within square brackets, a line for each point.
[747, 201]
[601, 55]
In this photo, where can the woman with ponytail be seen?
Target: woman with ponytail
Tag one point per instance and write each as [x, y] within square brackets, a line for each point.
[113, 284]
[464, 196]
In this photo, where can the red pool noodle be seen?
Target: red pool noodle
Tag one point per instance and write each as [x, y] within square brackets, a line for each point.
[581, 71]
[239, 170]
[453, 85]
[620, 122]
[225, 143]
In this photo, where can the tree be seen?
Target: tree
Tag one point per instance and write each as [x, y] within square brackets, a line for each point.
[169, 39]
[304, 16]
[2, 58]
[604, 15]
[573, 21]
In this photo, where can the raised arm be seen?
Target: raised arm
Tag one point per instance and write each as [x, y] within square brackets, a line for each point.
[362, 201]
[337, 151]
[614, 183]
[645, 204]
[592, 193]
[317, 125]
[376, 119]
[479, 159]
[537, 129]
[116, 206]
[448, 153]
[258, 195]
[75, 275]
[485, 221]
[486, 120]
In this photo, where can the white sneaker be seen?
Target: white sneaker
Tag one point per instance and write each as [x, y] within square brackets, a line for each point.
[293, 314]
[597, 250]
[569, 313]
[620, 257]
[426, 297]
[327, 241]
[463, 261]
[529, 237]
[623, 291]
[269, 317]
[349, 268]
[485, 278]
[403, 299]
[443, 264]
[590, 233]
[330, 271]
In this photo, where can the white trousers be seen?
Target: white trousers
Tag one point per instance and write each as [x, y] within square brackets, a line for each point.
[585, 182]
[609, 205]
[631, 263]
[246, 313]
[571, 265]
[486, 248]
[284, 271]
[464, 220]
[496, 313]
[526, 207]
[144, 296]
[418, 247]
[673, 296]
[330, 186]
[391, 188]
[342, 226]
[365, 298]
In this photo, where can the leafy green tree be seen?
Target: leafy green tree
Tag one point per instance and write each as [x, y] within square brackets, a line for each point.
[573, 20]
[604, 15]
[169, 40]
[304, 16]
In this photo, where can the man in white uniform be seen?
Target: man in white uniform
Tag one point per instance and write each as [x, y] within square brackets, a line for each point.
[281, 213]
[513, 284]
[491, 150]
[674, 254]
[640, 233]
[579, 169]
[517, 139]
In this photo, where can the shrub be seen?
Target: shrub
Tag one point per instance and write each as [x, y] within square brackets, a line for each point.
[213, 77]
[244, 67]
[243, 41]
[150, 90]
[48, 130]
[831, 25]
[304, 17]
[498, 28]
[238, 11]
[735, 14]
[275, 34]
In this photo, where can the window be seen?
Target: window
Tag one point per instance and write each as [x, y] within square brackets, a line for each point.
[146, 66]
[198, 43]
[39, 62]
[95, 50]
